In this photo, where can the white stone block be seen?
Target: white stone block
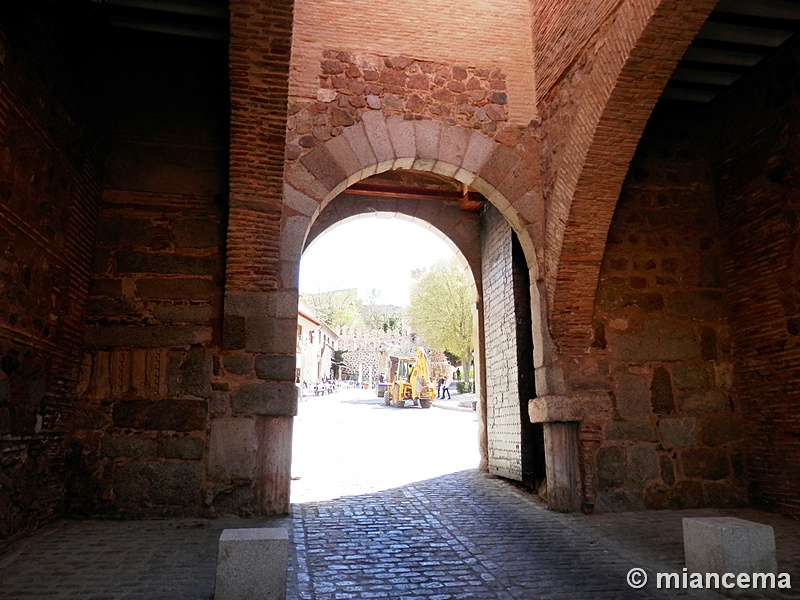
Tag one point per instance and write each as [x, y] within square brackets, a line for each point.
[251, 564]
[728, 545]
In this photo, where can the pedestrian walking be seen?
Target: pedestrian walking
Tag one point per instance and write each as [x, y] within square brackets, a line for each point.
[439, 384]
[446, 389]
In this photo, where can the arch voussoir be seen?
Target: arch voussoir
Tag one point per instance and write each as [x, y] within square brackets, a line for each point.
[378, 135]
[403, 139]
[356, 137]
[453, 145]
[427, 134]
[298, 201]
[345, 157]
[478, 150]
[321, 162]
[303, 180]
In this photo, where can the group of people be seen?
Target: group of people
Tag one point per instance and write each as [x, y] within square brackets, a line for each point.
[442, 388]
[327, 385]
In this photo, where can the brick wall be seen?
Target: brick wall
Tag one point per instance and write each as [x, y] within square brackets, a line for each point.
[756, 146]
[503, 420]
[675, 434]
[561, 31]
[429, 31]
[49, 187]
[592, 118]
[154, 311]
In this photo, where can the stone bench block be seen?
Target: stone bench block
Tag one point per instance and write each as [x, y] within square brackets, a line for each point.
[251, 564]
[728, 545]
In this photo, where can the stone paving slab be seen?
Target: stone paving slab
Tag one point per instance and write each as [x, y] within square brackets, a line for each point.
[459, 536]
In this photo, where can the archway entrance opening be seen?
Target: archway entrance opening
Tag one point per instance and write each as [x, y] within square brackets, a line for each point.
[356, 319]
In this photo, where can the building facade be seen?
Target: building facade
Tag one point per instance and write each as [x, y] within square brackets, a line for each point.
[316, 344]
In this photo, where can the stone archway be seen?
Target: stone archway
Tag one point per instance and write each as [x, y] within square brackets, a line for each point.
[379, 143]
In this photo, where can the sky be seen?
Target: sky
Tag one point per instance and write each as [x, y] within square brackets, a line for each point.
[371, 253]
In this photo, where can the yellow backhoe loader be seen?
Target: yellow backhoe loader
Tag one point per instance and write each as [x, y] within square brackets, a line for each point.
[411, 380]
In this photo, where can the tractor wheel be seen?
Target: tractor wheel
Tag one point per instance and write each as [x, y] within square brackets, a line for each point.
[387, 398]
[425, 403]
[397, 397]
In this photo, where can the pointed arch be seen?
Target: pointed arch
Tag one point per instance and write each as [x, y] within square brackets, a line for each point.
[617, 96]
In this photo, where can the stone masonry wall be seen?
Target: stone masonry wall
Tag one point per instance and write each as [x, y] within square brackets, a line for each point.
[756, 161]
[503, 420]
[153, 324]
[675, 435]
[50, 171]
[474, 97]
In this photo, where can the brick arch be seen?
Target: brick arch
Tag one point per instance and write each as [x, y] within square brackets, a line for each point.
[616, 100]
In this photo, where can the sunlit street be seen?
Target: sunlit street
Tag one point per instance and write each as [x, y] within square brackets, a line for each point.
[349, 443]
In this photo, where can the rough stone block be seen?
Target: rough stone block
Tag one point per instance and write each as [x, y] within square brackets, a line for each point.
[232, 449]
[658, 341]
[196, 233]
[678, 432]
[161, 415]
[137, 262]
[275, 399]
[708, 401]
[728, 545]
[705, 463]
[252, 564]
[158, 483]
[185, 448]
[280, 368]
[150, 336]
[633, 395]
[197, 315]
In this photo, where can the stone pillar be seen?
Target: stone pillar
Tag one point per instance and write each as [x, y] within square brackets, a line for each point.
[260, 312]
[562, 466]
[561, 416]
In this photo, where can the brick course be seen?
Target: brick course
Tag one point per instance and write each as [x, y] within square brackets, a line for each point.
[49, 186]
[755, 165]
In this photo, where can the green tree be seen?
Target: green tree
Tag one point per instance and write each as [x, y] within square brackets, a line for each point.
[337, 308]
[441, 310]
[380, 317]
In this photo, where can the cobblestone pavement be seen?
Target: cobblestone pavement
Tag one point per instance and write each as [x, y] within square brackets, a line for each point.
[443, 536]
[463, 535]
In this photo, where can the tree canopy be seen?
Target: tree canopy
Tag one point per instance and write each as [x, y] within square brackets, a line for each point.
[338, 308]
[441, 309]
